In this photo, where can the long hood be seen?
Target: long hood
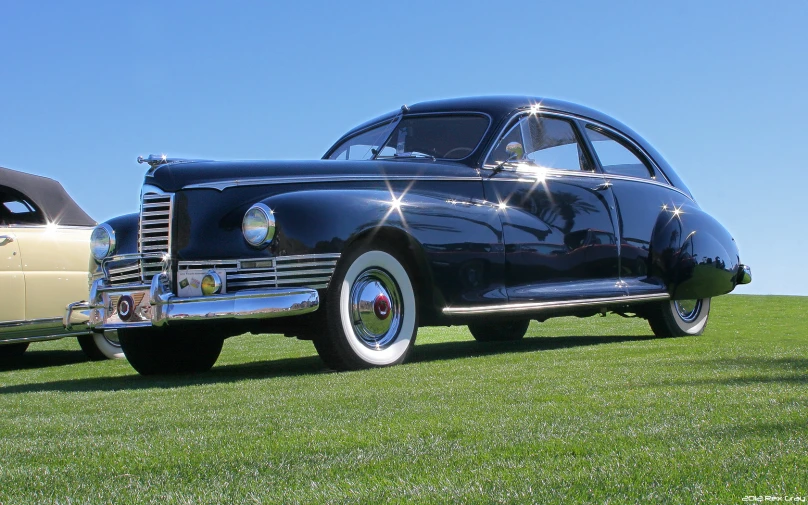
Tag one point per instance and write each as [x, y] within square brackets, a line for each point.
[221, 174]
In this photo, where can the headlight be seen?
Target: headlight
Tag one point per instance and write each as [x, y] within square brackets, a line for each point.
[258, 225]
[102, 241]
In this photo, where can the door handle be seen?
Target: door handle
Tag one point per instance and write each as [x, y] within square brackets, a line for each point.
[603, 186]
[5, 239]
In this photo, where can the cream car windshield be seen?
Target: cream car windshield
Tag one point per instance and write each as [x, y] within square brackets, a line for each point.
[546, 142]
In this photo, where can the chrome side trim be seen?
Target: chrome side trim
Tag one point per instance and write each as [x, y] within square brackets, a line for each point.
[540, 306]
[29, 322]
[33, 330]
[231, 183]
[525, 176]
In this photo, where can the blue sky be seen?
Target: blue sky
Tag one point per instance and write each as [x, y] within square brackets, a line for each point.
[718, 87]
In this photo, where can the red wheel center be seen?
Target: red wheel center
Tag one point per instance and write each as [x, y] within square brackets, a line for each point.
[381, 306]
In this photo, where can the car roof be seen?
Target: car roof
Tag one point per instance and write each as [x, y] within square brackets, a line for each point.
[501, 107]
[48, 195]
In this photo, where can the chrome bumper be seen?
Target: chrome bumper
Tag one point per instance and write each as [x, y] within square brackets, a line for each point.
[156, 305]
[744, 274]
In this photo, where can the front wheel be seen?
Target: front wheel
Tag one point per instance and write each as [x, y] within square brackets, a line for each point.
[371, 311]
[502, 331]
[159, 351]
[679, 318]
[101, 345]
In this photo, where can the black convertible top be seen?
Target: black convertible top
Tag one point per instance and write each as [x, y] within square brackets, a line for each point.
[48, 195]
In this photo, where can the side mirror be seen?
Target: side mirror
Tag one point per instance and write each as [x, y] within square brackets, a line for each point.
[515, 150]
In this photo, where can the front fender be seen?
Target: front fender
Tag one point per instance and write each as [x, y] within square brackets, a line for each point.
[693, 254]
[459, 244]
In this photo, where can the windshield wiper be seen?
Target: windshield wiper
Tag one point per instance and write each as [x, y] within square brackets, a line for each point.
[501, 165]
[410, 155]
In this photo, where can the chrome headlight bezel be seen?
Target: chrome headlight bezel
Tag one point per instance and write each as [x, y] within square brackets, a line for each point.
[102, 241]
[258, 225]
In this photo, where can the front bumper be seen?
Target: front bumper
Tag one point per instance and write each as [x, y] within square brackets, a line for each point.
[155, 305]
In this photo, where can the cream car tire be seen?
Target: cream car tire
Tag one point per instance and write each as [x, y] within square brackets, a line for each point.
[372, 317]
[679, 318]
[100, 346]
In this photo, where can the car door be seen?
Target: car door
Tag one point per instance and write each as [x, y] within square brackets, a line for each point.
[641, 194]
[12, 294]
[53, 261]
[556, 212]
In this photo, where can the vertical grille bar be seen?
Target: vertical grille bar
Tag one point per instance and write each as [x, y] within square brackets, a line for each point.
[155, 231]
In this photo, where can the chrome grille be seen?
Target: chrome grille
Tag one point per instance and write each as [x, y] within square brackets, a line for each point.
[129, 274]
[155, 231]
[306, 271]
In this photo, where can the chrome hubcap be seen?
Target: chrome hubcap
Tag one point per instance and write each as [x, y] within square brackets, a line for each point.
[688, 310]
[375, 308]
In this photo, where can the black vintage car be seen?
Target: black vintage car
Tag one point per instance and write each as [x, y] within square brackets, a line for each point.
[486, 212]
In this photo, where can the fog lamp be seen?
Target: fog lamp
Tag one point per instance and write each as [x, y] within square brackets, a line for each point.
[211, 284]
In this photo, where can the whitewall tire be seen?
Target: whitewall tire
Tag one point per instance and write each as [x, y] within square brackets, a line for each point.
[371, 311]
[101, 345]
[679, 318]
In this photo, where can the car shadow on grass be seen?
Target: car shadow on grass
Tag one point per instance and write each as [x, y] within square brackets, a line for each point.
[310, 365]
[42, 359]
[747, 370]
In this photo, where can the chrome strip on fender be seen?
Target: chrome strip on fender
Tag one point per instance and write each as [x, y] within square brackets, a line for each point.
[539, 306]
[230, 183]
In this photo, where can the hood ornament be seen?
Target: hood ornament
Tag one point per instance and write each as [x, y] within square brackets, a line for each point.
[155, 160]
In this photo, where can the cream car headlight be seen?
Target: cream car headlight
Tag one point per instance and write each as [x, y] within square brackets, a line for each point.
[258, 225]
[102, 241]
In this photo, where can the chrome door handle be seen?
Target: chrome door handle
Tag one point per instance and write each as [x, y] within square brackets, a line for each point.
[603, 187]
[5, 239]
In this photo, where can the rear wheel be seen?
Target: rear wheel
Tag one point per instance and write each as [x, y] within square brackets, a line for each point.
[371, 312]
[101, 345]
[679, 318]
[11, 351]
[158, 351]
[499, 331]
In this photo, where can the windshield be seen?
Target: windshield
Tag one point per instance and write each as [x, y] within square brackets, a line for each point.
[451, 137]
[364, 145]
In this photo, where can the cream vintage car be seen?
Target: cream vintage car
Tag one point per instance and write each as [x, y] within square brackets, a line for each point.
[44, 253]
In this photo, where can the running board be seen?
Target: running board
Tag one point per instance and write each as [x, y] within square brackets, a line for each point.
[541, 306]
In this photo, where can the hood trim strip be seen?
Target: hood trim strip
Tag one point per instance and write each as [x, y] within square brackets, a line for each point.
[230, 183]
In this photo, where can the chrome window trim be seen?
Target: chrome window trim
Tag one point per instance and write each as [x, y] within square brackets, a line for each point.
[553, 113]
[549, 305]
[649, 160]
[231, 183]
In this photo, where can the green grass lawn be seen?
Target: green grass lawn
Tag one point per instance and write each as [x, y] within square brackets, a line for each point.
[582, 411]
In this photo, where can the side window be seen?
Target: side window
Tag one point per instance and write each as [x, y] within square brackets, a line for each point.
[16, 208]
[361, 147]
[545, 141]
[615, 156]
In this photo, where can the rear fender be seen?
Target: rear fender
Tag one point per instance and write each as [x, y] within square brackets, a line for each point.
[693, 254]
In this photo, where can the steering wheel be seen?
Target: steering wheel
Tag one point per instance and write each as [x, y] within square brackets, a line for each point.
[465, 150]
